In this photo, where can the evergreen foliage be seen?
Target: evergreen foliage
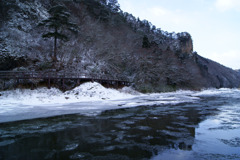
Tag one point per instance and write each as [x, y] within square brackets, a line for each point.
[113, 5]
[57, 24]
[145, 42]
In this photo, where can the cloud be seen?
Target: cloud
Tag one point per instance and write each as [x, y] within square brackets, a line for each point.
[165, 17]
[162, 16]
[225, 5]
[157, 11]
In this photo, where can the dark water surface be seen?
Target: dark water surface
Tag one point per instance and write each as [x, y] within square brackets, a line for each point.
[206, 129]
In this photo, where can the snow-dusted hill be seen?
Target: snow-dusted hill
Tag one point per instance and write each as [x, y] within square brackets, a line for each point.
[109, 43]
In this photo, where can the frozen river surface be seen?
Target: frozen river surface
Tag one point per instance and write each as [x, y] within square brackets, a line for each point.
[183, 125]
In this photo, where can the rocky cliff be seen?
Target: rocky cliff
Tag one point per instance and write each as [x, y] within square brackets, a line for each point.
[238, 71]
[109, 42]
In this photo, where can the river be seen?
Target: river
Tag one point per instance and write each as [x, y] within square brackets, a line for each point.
[206, 127]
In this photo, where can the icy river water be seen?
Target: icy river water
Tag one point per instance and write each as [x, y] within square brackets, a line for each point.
[182, 126]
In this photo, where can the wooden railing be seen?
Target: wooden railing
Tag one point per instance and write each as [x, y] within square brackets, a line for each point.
[58, 75]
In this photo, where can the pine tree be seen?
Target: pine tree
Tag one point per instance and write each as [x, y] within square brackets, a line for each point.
[145, 42]
[57, 24]
[113, 5]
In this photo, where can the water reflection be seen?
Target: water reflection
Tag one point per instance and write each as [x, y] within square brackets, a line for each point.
[134, 133]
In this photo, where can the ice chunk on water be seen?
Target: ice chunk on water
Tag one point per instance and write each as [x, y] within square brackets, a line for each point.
[71, 147]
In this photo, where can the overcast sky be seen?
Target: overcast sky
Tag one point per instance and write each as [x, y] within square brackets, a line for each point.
[213, 24]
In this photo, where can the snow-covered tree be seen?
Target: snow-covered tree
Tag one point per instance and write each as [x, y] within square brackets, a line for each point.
[58, 23]
[113, 5]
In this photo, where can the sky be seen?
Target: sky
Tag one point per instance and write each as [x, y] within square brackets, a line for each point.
[213, 24]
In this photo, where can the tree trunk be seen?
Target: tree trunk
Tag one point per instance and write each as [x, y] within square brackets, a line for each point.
[55, 50]
[55, 47]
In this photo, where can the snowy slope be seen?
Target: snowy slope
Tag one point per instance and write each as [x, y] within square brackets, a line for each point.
[43, 96]
[88, 99]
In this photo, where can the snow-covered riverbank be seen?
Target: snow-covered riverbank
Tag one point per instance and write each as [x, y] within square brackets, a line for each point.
[85, 92]
[89, 98]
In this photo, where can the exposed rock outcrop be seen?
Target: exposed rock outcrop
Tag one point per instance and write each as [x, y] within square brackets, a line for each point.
[238, 71]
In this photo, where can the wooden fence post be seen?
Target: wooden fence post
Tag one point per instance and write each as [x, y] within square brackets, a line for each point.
[3, 83]
[49, 83]
[32, 86]
[78, 81]
[63, 84]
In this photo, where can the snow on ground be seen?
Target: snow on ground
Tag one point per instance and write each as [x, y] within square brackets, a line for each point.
[87, 99]
[43, 96]
[223, 92]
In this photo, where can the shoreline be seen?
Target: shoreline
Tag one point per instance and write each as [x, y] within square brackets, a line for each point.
[87, 99]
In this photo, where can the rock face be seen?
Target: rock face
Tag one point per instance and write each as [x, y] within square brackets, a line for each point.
[238, 71]
[109, 42]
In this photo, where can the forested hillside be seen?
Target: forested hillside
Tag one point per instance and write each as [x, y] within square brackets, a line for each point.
[102, 39]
